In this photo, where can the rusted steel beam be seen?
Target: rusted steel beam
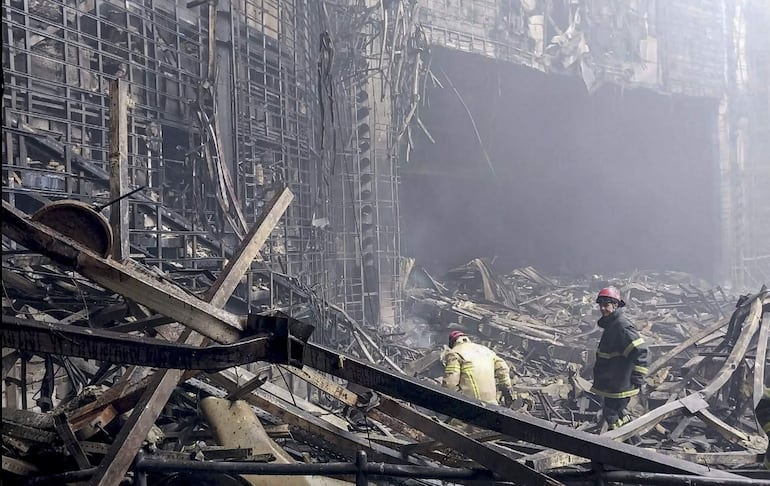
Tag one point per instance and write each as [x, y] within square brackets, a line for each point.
[501, 464]
[123, 278]
[51, 338]
[520, 426]
[119, 214]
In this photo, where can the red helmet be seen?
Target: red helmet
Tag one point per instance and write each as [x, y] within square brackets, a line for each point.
[612, 293]
[453, 336]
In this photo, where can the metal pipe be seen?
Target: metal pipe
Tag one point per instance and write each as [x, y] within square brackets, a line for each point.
[656, 479]
[146, 464]
[63, 478]
[70, 477]
[678, 479]
[99, 207]
[361, 479]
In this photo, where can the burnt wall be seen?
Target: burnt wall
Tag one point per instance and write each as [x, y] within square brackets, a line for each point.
[582, 183]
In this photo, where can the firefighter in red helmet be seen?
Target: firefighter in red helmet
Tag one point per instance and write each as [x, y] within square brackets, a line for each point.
[476, 371]
[621, 359]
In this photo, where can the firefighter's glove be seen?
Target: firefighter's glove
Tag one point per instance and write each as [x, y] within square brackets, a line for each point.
[507, 397]
[637, 380]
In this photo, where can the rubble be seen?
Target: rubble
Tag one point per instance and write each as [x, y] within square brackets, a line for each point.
[543, 325]
[550, 333]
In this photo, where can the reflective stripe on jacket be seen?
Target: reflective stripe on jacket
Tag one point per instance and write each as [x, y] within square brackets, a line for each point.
[622, 354]
[475, 371]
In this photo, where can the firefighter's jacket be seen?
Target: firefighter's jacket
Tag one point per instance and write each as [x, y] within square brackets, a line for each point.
[475, 371]
[621, 359]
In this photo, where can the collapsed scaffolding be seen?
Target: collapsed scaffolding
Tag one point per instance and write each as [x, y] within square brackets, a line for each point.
[226, 105]
[278, 339]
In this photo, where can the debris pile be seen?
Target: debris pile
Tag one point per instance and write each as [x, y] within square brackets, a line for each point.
[546, 327]
[105, 380]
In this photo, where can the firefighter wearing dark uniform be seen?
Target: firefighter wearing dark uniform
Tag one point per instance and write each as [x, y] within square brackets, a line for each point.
[476, 371]
[763, 416]
[621, 359]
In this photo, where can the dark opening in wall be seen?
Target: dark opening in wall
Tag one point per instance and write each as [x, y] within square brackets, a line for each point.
[583, 183]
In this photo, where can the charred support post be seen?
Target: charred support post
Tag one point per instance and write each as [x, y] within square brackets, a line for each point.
[119, 168]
